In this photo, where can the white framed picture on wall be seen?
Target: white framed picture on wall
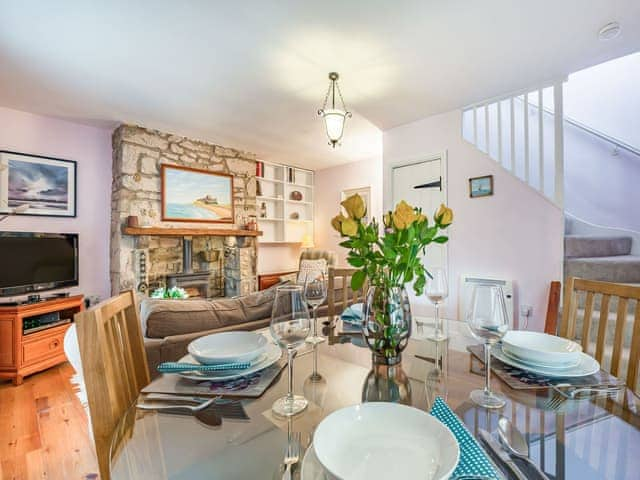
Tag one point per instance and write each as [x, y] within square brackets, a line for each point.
[365, 193]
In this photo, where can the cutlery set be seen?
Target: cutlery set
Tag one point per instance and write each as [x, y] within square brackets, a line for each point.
[209, 411]
[564, 392]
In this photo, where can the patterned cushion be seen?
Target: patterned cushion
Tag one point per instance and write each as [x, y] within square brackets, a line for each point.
[308, 267]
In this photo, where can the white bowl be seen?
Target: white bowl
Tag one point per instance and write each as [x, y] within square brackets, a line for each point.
[227, 347]
[541, 348]
[376, 441]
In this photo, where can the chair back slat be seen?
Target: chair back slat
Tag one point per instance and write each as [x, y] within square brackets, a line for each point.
[602, 295]
[634, 353]
[588, 318]
[602, 327]
[621, 319]
[114, 365]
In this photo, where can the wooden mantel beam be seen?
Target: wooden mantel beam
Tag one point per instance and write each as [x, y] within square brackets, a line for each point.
[181, 232]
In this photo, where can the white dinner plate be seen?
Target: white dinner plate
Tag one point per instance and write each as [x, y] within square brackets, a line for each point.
[586, 366]
[541, 348]
[227, 347]
[379, 441]
[536, 364]
[271, 355]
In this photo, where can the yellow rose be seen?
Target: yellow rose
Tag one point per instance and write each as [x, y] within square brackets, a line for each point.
[404, 215]
[355, 207]
[336, 222]
[349, 227]
[444, 216]
[386, 219]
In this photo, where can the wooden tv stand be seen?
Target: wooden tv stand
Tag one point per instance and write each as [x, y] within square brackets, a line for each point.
[21, 353]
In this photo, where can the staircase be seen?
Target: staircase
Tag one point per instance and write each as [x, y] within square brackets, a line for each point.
[601, 257]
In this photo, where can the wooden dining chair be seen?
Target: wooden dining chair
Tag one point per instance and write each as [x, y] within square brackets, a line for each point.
[348, 297]
[605, 293]
[114, 365]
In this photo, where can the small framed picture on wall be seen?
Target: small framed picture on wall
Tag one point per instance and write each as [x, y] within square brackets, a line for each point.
[37, 185]
[481, 186]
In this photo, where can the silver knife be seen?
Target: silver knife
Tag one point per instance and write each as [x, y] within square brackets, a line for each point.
[501, 454]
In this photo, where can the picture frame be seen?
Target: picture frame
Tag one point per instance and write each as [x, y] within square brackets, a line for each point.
[365, 193]
[481, 186]
[37, 185]
[196, 195]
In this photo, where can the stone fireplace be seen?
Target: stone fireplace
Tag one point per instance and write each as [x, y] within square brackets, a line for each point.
[207, 265]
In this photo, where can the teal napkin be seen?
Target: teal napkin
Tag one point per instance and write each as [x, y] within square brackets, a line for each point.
[176, 367]
[473, 459]
[352, 314]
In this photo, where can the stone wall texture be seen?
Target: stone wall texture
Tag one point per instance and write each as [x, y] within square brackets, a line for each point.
[138, 154]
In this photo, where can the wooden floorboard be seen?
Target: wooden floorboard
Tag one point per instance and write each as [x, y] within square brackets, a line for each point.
[43, 429]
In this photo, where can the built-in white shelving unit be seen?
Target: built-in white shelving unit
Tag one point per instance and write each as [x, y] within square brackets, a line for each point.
[287, 220]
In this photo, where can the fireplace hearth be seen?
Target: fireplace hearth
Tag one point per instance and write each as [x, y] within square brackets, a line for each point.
[195, 283]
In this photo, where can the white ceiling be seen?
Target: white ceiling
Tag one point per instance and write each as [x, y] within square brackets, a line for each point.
[251, 74]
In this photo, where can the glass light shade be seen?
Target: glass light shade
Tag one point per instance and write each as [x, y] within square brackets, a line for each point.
[334, 121]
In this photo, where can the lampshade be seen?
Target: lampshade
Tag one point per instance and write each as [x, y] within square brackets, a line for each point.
[334, 122]
[307, 241]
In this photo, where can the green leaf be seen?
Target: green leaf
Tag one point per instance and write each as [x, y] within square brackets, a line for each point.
[441, 239]
[357, 280]
[356, 261]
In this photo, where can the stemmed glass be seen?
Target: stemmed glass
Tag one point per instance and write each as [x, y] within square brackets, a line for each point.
[488, 322]
[290, 325]
[315, 293]
[437, 291]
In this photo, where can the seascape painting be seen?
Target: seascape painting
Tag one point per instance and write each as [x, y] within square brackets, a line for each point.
[481, 186]
[34, 185]
[193, 195]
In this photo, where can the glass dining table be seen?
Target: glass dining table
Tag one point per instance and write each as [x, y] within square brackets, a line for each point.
[597, 438]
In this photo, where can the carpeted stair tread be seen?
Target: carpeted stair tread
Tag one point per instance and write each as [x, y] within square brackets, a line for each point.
[581, 246]
[616, 268]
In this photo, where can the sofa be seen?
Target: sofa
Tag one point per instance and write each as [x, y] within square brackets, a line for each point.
[169, 326]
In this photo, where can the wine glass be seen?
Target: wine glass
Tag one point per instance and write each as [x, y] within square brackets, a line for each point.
[315, 293]
[488, 322]
[290, 325]
[437, 291]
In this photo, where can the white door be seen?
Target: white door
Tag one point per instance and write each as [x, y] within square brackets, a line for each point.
[423, 185]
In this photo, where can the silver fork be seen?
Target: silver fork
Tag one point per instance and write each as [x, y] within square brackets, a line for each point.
[573, 393]
[291, 454]
[554, 402]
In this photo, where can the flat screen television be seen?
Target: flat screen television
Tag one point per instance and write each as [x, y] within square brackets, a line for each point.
[34, 262]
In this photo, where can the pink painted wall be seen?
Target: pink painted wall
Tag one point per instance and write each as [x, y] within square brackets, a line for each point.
[329, 184]
[91, 148]
[516, 234]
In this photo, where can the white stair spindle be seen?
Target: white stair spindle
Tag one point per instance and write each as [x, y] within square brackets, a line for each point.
[475, 126]
[526, 137]
[558, 148]
[499, 107]
[486, 128]
[541, 139]
[512, 160]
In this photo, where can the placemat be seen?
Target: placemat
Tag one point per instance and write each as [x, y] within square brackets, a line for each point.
[519, 379]
[473, 459]
[250, 386]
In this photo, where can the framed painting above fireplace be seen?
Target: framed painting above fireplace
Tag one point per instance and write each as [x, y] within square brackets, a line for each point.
[195, 195]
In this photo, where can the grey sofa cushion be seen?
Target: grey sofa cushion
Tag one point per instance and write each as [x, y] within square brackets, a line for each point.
[165, 318]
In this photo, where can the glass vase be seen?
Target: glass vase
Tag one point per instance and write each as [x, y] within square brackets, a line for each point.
[387, 323]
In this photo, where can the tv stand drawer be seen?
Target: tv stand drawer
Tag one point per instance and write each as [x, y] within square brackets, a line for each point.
[46, 344]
